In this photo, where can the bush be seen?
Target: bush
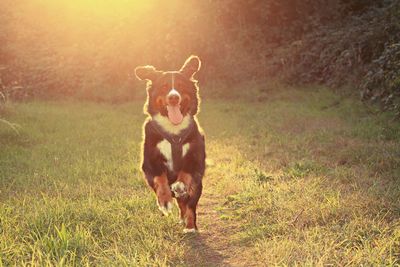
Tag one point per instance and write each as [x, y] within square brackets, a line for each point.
[69, 49]
[382, 81]
[361, 51]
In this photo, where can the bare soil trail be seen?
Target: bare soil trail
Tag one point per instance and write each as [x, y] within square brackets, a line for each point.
[214, 244]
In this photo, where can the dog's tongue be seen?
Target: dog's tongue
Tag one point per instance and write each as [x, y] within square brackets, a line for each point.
[174, 114]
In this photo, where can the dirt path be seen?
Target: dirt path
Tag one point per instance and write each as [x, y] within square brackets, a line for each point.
[214, 245]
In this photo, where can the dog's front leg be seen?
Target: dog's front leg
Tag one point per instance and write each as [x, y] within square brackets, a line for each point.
[183, 185]
[163, 192]
[187, 193]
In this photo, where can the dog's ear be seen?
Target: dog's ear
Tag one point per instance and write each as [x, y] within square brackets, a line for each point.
[191, 66]
[147, 73]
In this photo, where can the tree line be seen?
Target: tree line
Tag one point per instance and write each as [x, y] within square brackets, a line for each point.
[57, 49]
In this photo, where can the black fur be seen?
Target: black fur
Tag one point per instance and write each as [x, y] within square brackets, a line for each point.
[154, 162]
[193, 162]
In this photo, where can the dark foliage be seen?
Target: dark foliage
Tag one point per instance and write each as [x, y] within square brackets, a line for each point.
[361, 50]
[64, 48]
[382, 81]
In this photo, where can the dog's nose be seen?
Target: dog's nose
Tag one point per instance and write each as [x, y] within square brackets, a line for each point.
[173, 97]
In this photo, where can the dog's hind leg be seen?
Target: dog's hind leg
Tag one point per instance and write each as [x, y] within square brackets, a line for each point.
[187, 213]
[163, 192]
[182, 203]
[190, 217]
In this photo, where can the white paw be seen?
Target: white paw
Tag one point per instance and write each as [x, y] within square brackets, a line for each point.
[191, 230]
[165, 209]
[179, 189]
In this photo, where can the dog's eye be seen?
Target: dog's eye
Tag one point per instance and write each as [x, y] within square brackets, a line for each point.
[186, 98]
[160, 101]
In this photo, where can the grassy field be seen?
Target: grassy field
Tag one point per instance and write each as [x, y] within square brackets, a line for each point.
[294, 177]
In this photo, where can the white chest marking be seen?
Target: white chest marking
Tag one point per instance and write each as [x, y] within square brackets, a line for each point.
[169, 127]
[185, 149]
[165, 149]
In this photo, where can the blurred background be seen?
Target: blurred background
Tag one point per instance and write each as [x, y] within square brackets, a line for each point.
[87, 49]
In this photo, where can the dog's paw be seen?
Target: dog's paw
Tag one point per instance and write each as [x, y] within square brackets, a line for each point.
[179, 189]
[165, 208]
[189, 230]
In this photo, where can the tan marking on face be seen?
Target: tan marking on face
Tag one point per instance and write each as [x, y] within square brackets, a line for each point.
[160, 101]
[185, 103]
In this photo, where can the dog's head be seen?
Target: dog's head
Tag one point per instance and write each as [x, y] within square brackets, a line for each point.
[172, 94]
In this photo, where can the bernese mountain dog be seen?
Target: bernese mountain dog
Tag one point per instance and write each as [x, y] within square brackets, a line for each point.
[174, 147]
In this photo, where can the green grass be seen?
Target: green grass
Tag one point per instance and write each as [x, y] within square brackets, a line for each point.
[308, 181]
[72, 193]
[312, 185]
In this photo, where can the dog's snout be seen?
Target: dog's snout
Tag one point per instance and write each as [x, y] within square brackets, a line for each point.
[173, 97]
